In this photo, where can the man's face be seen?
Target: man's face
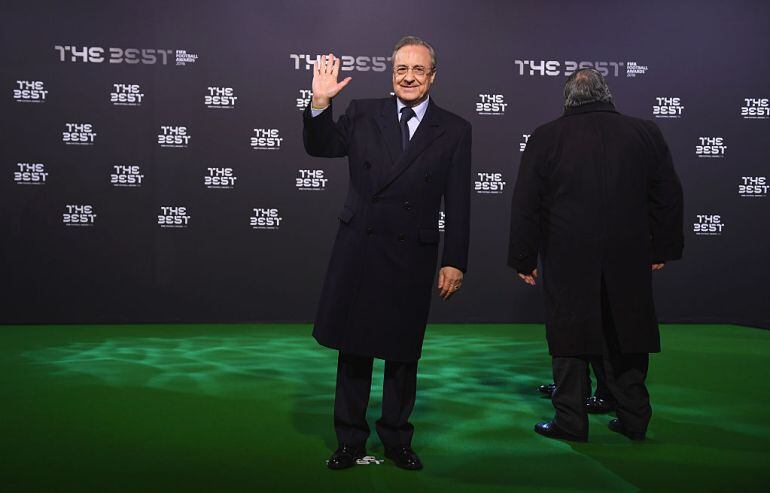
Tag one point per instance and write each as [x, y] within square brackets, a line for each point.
[412, 74]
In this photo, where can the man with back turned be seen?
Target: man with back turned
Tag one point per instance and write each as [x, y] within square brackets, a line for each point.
[404, 154]
[597, 198]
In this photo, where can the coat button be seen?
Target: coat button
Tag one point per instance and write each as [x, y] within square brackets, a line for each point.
[375, 199]
[408, 205]
[401, 237]
[427, 177]
[367, 165]
[370, 231]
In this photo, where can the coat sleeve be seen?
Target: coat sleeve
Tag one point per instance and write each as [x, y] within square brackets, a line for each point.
[665, 204]
[526, 204]
[457, 204]
[324, 138]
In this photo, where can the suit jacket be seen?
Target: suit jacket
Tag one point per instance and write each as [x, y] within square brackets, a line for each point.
[376, 295]
[598, 199]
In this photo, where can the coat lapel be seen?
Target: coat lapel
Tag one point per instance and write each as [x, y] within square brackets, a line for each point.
[428, 131]
[389, 130]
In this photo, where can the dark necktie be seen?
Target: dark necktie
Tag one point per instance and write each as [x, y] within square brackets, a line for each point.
[406, 114]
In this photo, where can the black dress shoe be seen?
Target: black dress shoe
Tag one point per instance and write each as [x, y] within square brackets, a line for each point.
[345, 456]
[595, 405]
[616, 426]
[404, 457]
[547, 389]
[552, 430]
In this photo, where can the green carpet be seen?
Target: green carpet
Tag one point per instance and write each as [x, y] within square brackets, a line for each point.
[219, 408]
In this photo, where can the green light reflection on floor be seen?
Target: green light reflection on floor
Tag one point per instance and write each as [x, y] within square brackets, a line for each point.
[476, 395]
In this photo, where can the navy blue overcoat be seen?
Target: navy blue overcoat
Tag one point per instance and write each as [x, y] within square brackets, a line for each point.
[376, 295]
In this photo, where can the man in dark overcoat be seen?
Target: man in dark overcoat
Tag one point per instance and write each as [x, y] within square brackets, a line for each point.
[597, 198]
[405, 154]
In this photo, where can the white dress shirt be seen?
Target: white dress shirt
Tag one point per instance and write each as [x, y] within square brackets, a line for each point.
[419, 112]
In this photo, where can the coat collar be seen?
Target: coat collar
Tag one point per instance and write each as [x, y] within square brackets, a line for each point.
[589, 108]
[429, 130]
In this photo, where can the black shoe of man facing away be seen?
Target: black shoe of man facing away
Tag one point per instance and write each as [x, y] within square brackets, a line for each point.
[552, 430]
[547, 389]
[617, 426]
[597, 405]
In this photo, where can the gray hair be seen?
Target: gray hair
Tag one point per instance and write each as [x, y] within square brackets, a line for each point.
[585, 86]
[415, 41]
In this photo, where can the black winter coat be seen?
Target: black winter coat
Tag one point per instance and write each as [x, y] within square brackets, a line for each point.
[598, 199]
[377, 292]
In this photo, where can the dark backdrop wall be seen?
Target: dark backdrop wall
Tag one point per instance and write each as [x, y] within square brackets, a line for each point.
[152, 167]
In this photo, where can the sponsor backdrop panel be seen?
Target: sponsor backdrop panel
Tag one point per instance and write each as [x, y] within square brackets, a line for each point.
[152, 169]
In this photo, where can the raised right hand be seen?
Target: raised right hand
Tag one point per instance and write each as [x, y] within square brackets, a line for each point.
[325, 85]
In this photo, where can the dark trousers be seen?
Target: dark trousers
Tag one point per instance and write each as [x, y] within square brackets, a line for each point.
[354, 381]
[602, 389]
[625, 374]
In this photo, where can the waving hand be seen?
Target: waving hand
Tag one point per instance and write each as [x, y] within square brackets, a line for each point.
[325, 85]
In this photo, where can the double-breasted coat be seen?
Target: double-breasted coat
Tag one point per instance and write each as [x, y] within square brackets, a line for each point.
[377, 291]
[598, 199]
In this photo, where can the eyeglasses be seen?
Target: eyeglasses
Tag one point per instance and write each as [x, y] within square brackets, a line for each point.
[417, 70]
